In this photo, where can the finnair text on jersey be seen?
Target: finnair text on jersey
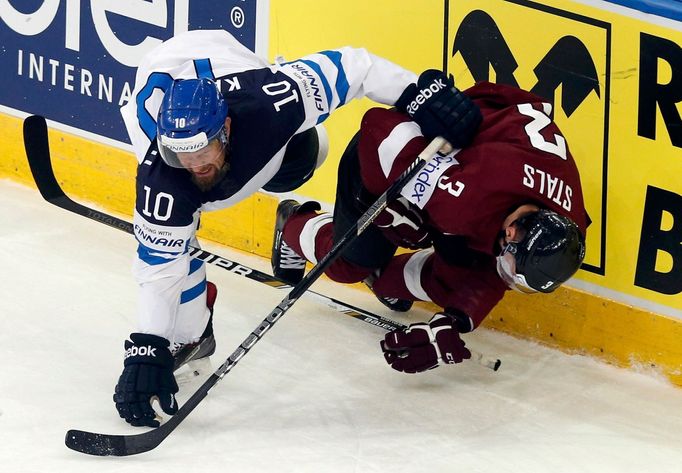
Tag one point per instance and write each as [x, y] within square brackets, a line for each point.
[143, 236]
[317, 95]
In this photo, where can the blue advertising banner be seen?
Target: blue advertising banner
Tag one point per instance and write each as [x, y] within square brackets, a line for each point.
[74, 61]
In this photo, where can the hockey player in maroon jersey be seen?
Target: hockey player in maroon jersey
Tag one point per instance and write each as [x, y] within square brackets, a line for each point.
[505, 212]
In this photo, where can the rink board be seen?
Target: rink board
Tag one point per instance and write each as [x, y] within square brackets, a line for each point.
[631, 177]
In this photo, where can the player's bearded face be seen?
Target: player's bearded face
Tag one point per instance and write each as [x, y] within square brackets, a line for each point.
[207, 166]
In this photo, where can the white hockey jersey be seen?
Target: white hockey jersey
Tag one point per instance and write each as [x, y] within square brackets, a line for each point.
[268, 104]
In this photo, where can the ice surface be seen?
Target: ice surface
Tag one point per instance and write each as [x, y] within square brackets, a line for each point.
[313, 396]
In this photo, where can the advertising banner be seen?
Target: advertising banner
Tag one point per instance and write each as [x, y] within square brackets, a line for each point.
[73, 61]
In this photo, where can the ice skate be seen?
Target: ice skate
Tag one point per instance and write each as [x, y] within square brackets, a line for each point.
[197, 355]
[287, 265]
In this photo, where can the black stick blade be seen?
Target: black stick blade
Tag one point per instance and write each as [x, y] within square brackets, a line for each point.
[96, 444]
[38, 154]
[105, 445]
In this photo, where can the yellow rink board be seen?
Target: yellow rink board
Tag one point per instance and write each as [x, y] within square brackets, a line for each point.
[412, 36]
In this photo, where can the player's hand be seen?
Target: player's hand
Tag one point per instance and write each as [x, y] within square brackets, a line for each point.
[439, 109]
[424, 346]
[403, 225]
[147, 373]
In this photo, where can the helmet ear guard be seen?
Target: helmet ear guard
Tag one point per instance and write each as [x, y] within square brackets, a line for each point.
[192, 114]
[551, 251]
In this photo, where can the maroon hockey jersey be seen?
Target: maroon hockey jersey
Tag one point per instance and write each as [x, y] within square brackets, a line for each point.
[519, 156]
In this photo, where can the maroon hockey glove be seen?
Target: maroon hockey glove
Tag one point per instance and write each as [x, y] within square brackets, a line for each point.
[403, 225]
[440, 109]
[423, 346]
[147, 373]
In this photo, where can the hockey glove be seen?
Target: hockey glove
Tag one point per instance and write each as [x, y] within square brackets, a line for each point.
[403, 225]
[440, 109]
[147, 373]
[424, 346]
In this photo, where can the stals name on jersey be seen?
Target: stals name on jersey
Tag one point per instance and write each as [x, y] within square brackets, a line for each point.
[553, 188]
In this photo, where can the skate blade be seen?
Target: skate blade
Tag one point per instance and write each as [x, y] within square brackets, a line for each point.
[194, 369]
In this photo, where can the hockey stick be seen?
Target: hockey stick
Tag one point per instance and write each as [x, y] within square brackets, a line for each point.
[37, 149]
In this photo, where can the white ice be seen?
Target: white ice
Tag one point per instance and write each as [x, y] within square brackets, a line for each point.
[314, 395]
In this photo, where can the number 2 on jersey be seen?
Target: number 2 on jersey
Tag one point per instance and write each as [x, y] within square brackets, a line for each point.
[539, 122]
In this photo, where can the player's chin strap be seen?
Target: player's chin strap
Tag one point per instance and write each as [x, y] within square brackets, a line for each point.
[37, 150]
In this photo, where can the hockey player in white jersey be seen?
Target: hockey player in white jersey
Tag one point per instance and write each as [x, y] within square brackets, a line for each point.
[211, 123]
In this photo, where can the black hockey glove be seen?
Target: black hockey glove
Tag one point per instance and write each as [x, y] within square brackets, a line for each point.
[424, 346]
[147, 373]
[439, 109]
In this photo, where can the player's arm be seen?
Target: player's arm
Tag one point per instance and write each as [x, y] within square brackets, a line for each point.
[347, 73]
[329, 79]
[162, 270]
[467, 294]
[426, 276]
[160, 277]
[389, 142]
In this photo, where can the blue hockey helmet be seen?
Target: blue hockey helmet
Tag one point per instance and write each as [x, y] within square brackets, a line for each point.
[192, 114]
[550, 252]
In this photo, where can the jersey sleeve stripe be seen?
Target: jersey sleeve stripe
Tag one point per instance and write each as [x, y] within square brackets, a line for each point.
[204, 69]
[341, 79]
[309, 234]
[157, 80]
[393, 144]
[195, 265]
[193, 293]
[412, 273]
[152, 257]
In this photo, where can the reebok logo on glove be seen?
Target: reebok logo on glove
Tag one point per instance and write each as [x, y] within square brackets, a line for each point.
[425, 94]
[141, 351]
[147, 374]
[435, 104]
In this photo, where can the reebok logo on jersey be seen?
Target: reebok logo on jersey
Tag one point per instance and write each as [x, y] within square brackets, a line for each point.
[140, 351]
[425, 94]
